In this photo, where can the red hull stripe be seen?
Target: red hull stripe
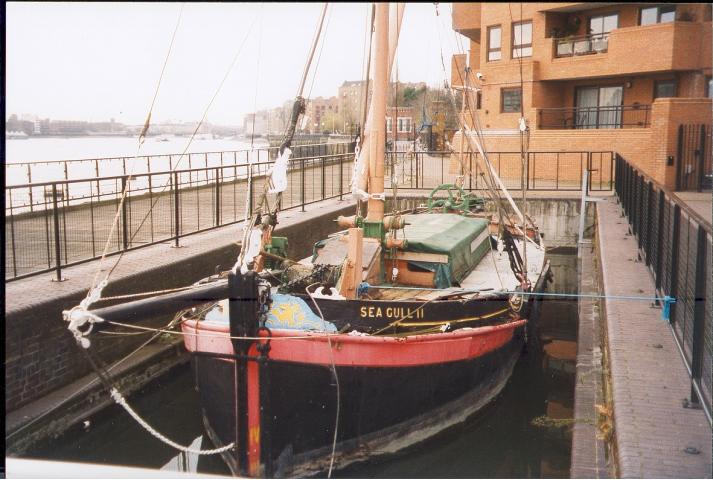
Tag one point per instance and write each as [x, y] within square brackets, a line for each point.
[358, 350]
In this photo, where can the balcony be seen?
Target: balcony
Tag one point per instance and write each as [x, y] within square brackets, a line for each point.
[585, 45]
[665, 47]
[466, 20]
[582, 118]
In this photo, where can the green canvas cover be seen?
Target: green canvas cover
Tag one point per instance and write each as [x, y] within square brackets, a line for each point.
[464, 239]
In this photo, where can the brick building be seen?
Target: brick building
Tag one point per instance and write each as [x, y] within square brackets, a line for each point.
[399, 122]
[607, 76]
[317, 110]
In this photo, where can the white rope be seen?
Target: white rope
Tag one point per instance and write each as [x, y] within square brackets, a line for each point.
[119, 399]
[336, 380]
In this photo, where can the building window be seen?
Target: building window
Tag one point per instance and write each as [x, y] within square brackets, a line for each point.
[388, 124]
[478, 99]
[511, 100]
[709, 87]
[522, 39]
[661, 14]
[494, 39]
[404, 124]
[665, 88]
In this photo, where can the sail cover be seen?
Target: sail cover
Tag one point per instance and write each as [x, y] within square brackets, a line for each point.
[465, 240]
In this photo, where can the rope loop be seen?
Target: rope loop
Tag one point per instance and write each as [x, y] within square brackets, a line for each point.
[120, 400]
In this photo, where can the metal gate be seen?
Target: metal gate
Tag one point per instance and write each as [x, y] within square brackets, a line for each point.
[695, 169]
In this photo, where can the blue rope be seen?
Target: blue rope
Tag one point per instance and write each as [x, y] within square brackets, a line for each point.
[665, 312]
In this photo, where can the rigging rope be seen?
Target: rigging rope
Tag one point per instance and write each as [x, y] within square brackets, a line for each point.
[336, 379]
[96, 285]
[190, 140]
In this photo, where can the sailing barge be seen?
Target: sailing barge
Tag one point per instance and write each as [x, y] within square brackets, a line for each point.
[395, 329]
[393, 366]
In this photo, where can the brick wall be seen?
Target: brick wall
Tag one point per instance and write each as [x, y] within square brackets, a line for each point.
[646, 148]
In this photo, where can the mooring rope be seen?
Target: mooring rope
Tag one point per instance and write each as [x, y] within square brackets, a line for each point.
[119, 399]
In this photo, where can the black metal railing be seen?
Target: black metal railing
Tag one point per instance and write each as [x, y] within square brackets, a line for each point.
[70, 220]
[584, 45]
[21, 173]
[545, 170]
[676, 245]
[582, 118]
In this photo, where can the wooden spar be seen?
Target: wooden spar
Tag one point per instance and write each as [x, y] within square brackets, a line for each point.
[375, 210]
[351, 278]
[361, 177]
[169, 303]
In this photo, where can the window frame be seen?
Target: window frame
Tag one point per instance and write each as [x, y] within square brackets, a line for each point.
[666, 80]
[400, 121]
[490, 50]
[505, 90]
[708, 90]
[602, 16]
[522, 45]
[667, 8]
[389, 124]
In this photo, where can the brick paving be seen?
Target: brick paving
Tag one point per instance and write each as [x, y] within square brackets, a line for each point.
[649, 380]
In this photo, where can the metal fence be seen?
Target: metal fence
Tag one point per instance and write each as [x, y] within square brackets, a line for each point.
[22, 173]
[545, 170]
[52, 225]
[676, 245]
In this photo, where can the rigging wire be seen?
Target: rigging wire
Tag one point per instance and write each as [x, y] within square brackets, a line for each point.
[190, 140]
[142, 136]
[319, 55]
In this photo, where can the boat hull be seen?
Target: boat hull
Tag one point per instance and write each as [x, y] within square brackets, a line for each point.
[392, 393]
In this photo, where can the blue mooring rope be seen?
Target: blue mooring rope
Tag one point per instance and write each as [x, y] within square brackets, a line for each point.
[665, 311]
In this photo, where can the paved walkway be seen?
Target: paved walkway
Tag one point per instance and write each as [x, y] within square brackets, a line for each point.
[649, 380]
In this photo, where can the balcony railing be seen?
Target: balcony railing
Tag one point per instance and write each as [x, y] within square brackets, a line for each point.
[623, 116]
[586, 45]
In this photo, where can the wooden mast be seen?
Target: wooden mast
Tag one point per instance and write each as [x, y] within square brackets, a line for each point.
[375, 210]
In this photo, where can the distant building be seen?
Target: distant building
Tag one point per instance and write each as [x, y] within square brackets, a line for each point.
[317, 110]
[399, 122]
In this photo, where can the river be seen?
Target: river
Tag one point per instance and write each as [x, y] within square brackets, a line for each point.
[50, 149]
[524, 433]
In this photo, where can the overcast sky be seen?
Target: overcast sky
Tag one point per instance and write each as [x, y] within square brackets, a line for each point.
[95, 61]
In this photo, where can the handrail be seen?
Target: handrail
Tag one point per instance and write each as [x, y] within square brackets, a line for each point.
[617, 116]
[592, 43]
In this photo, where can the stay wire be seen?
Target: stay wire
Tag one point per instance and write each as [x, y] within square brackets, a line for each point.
[142, 136]
[190, 140]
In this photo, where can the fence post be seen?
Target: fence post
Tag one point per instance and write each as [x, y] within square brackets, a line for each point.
[177, 217]
[217, 196]
[323, 179]
[674, 257]
[29, 180]
[698, 312]
[57, 250]
[659, 241]
[701, 158]
[341, 175]
[250, 183]
[302, 182]
[124, 223]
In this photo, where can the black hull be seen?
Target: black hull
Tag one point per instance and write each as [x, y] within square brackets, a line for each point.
[382, 410]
